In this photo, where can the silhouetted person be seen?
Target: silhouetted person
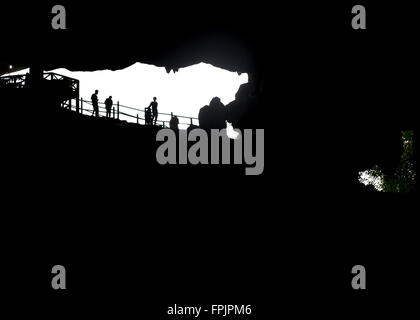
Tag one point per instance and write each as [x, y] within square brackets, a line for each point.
[245, 111]
[213, 116]
[28, 80]
[148, 116]
[154, 106]
[95, 106]
[192, 127]
[108, 106]
[173, 123]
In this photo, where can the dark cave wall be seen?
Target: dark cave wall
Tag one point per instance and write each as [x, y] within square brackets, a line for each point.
[103, 35]
[343, 98]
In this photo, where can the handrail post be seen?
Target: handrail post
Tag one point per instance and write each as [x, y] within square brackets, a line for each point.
[137, 118]
[118, 110]
[145, 116]
[191, 121]
[77, 97]
[113, 112]
[81, 105]
[172, 115]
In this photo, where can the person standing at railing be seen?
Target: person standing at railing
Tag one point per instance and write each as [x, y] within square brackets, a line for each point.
[154, 106]
[173, 123]
[28, 80]
[95, 106]
[108, 106]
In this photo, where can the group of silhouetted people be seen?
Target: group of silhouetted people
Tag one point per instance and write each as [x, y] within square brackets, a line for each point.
[213, 116]
[151, 113]
[108, 105]
[241, 112]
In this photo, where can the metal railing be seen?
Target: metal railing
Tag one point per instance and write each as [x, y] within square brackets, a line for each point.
[71, 100]
[23, 80]
[65, 88]
[136, 115]
[73, 84]
[18, 81]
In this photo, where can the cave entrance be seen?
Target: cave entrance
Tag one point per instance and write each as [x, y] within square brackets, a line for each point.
[180, 93]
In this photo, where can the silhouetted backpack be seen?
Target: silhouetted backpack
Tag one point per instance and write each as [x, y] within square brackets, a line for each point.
[148, 115]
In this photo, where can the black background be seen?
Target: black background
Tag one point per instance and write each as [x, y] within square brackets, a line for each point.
[285, 241]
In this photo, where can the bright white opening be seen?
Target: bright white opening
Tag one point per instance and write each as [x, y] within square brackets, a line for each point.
[183, 93]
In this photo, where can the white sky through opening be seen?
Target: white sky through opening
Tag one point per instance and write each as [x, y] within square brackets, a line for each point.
[182, 93]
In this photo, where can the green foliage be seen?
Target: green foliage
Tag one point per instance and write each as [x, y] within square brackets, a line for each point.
[404, 178]
[372, 177]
